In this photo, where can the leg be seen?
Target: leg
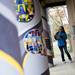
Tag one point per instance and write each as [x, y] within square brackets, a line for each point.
[62, 53]
[66, 51]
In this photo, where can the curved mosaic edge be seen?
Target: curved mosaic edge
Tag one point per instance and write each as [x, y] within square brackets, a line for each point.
[12, 61]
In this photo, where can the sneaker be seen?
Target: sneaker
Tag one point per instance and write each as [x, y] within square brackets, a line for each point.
[64, 62]
[71, 61]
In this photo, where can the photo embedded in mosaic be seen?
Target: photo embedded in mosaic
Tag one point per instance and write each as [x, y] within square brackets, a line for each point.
[33, 41]
[24, 10]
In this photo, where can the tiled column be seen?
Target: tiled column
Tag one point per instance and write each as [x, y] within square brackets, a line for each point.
[10, 56]
[34, 57]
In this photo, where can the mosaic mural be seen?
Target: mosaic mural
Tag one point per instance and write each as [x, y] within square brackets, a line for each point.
[33, 41]
[24, 10]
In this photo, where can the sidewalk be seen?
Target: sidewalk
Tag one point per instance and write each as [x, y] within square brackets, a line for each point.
[62, 68]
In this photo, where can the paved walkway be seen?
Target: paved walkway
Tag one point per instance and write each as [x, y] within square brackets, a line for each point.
[62, 68]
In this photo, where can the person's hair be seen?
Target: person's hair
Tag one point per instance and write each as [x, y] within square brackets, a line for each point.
[63, 30]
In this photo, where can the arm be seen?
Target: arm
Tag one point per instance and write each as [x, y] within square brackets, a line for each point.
[56, 36]
[64, 36]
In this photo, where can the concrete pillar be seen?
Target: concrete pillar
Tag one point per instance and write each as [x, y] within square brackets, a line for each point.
[29, 16]
[47, 37]
[71, 13]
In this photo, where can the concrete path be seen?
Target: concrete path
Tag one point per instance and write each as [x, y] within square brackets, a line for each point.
[62, 68]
